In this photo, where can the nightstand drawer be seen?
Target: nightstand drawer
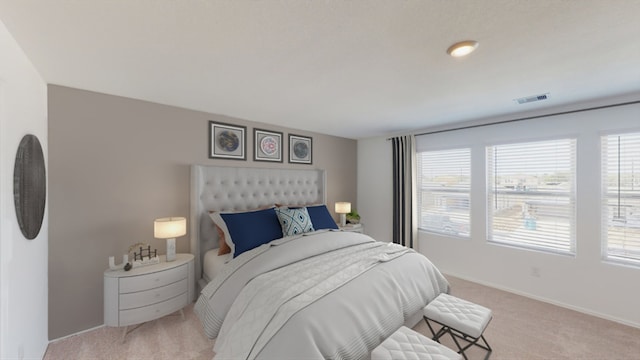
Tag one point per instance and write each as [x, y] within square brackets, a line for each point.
[153, 280]
[151, 312]
[142, 298]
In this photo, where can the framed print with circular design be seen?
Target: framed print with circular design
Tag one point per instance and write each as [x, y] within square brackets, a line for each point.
[267, 145]
[227, 141]
[300, 149]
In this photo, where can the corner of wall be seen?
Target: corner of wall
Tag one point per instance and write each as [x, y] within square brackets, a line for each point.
[23, 263]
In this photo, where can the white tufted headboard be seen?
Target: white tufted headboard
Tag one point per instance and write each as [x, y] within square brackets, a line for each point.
[222, 188]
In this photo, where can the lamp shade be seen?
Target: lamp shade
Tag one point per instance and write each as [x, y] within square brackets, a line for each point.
[343, 207]
[170, 227]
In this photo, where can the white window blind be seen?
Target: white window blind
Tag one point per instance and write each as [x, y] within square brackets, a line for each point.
[444, 183]
[531, 195]
[621, 197]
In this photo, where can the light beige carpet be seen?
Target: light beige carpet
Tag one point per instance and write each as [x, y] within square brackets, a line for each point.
[167, 338]
[521, 329]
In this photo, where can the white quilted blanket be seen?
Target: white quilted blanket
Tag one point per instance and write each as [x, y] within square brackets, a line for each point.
[329, 295]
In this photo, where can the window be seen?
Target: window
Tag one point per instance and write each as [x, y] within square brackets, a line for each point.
[621, 197]
[444, 179]
[531, 195]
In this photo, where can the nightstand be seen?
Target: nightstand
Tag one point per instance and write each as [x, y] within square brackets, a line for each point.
[149, 292]
[353, 228]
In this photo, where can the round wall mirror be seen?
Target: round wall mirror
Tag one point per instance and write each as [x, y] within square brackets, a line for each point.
[29, 186]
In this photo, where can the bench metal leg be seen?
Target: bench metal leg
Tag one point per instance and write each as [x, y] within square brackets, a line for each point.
[457, 334]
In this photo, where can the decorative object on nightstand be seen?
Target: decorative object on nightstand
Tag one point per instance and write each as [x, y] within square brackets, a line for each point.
[343, 208]
[145, 256]
[149, 292]
[170, 228]
[353, 217]
[112, 262]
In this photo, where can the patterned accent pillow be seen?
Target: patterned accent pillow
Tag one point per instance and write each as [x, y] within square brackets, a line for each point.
[294, 221]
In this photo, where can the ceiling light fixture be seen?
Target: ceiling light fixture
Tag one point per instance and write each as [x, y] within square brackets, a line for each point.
[462, 48]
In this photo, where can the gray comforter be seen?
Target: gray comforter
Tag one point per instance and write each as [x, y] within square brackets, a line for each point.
[327, 295]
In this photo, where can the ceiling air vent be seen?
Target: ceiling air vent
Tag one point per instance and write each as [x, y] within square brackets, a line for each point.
[528, 99]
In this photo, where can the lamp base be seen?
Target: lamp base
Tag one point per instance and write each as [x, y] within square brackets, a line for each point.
[343, 219]
[171, 249]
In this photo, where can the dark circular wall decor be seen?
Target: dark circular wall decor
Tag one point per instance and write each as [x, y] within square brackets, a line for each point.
[29, 186]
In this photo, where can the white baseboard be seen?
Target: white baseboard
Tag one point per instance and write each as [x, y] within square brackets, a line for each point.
[549, 301]
[78, 333]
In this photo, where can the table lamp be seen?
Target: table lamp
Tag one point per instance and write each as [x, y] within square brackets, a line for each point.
[343, 208]
[170, 228]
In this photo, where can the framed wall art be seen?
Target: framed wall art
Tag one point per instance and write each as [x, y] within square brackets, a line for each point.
[29, 186]
[227, 141]
[300, 149]
[267, 145]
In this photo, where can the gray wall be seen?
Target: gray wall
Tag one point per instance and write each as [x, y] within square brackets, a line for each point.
[116, 164]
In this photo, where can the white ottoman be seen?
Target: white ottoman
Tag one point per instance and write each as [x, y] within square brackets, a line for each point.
[406, 344]
[461, 319]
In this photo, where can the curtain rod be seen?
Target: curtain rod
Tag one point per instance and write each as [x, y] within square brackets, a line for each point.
[526, 118]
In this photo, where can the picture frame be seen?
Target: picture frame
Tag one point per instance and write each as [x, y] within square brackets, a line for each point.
[267, 145]
[227, 141]
[300, 149]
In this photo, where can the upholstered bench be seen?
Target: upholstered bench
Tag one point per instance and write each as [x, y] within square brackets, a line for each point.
[461, 319]
[406, 344]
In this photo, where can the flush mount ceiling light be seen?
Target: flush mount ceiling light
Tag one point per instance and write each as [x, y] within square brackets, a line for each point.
[462, 48]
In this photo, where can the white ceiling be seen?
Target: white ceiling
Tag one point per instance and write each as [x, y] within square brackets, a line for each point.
[355, 68]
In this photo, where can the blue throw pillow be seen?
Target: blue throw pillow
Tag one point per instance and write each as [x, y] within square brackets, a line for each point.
[294, 221]
[321, 218]
[251, 229]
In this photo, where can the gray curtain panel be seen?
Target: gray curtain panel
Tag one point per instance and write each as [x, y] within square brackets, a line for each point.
[405, 224]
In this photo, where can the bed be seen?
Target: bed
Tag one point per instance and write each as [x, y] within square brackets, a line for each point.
[228, 189]
[313, 292]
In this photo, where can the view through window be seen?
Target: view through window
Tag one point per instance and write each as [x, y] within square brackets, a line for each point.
[621, 197]
[444, 182]
[531, 195]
